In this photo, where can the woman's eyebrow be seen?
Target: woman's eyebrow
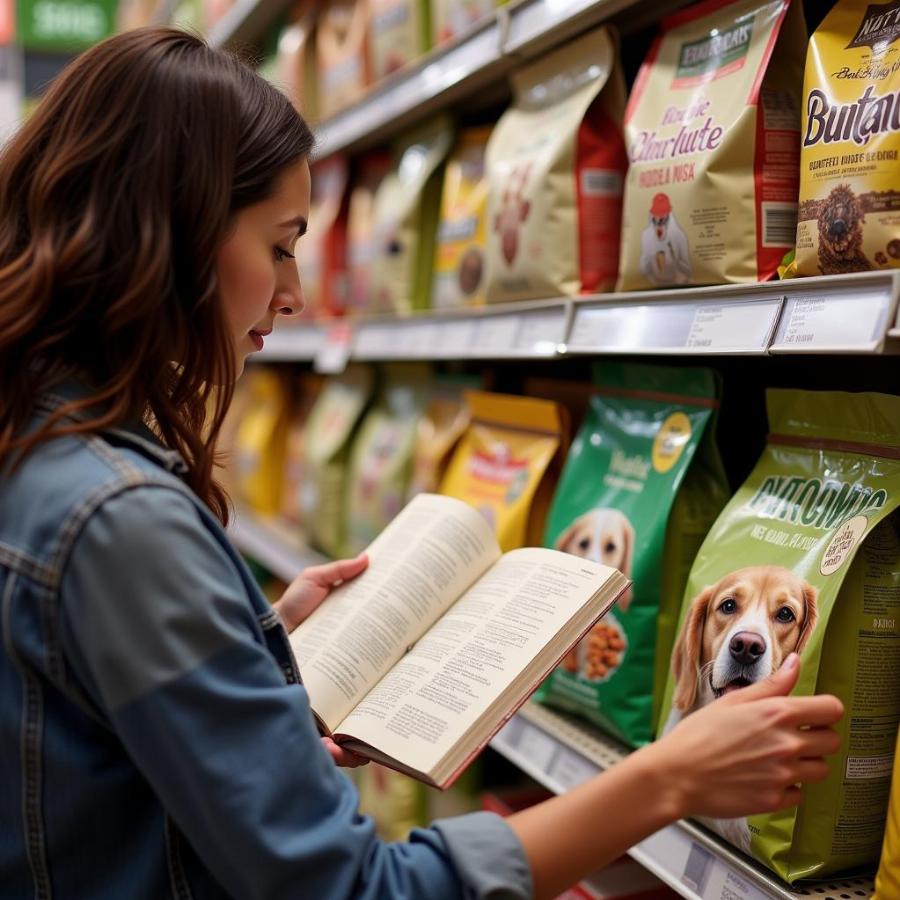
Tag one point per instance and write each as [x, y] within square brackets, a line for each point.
[298, 222]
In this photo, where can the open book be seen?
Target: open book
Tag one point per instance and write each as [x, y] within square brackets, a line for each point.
[419, 661]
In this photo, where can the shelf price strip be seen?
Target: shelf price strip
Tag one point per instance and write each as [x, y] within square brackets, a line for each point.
[845, 320]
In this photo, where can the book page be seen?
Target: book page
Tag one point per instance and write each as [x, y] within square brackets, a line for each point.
[420, 564]
[429, 700]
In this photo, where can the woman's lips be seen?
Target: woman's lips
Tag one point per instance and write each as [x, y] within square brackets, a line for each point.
[257, 339]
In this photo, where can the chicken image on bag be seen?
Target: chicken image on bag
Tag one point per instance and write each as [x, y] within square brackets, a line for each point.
[806, 558]
[640, 488]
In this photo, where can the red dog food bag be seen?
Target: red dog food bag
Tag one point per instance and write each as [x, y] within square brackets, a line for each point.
[712, 127]
[556, 163]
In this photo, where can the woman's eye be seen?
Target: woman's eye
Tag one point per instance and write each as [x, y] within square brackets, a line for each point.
[785, 615]
[728, 606]
[281, 254]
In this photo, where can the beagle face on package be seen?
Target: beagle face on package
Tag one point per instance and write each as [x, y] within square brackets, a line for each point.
[604, 536]
[739, 631]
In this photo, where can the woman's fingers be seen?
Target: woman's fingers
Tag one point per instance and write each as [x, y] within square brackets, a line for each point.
[333, 573]
[822, 709]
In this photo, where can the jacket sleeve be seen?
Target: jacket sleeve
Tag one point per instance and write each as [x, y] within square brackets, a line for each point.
[158, 628]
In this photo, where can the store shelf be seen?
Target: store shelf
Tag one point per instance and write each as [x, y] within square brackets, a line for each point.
[850, 314]
[560, 753]
[271, 544]
[523, 331]
[463, 69]
[246, 22]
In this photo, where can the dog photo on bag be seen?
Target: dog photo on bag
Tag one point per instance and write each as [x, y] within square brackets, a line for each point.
[806, 558]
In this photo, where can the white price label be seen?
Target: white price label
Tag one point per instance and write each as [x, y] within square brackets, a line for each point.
[334, 353]
[537, 747]
[456, 337]
[736, 327]
[542, 332]
[570, 769]
[831, 322]
[497, 334]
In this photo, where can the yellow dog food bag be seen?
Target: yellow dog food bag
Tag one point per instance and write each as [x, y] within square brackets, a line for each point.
[506, 463]
[806, 558]
[712, 129]
[849, 174]
[459, 253]
[887, 882]
[260, 440]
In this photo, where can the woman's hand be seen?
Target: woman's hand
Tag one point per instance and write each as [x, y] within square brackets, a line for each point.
[748, 752]
[345, 758]
[312, 586]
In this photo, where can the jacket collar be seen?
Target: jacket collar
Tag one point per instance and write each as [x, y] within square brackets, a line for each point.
[133, 434]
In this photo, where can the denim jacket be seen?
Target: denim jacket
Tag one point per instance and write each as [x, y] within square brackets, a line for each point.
[154, 736]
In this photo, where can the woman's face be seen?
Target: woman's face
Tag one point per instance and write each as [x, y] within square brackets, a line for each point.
[258, 277]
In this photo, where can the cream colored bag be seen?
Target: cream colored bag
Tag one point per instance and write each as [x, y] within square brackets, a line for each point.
[849, 177]
[556, 162]
[712, 130]
[407, 207]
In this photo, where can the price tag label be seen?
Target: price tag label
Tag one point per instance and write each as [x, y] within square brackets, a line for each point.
[542, 332]
[736, 327]
[537, 747]
[456, 338]
[571, 769]
[497, 334]
[334, 353]
[849, 321]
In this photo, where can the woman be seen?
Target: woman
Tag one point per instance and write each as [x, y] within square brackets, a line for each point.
[155, 741]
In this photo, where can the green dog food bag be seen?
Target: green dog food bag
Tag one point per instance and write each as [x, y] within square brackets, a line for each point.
[806, 557]
[641, 486]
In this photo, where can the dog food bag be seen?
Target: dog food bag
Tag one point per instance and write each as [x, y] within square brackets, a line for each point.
[452, 18]
[342, 55]
[399, 33]
[407, 207]
[712, 128]
[459, 254]
[556, 162]
[443, 422]
[849, 182]
[887, 882]
[295, 65]
[370, 171]
[332, 424]
[806, 557]
[322, 254]
[381, 459]
[506, 463]
[641, 487]
[295, 480]
[260, 440]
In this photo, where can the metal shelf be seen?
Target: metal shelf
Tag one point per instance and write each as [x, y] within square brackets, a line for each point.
[477, 61]
[850, 314]
[246, 22]
[272, 544]
[560, 752]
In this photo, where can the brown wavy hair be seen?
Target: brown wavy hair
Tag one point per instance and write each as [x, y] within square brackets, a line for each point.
[114, 199]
